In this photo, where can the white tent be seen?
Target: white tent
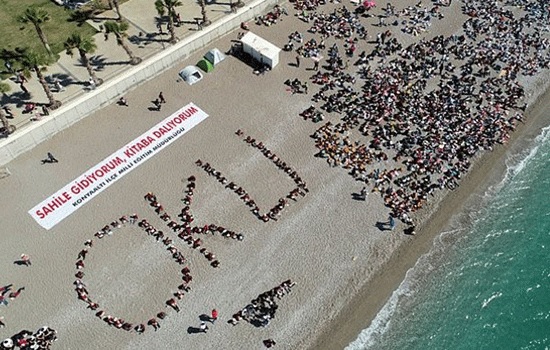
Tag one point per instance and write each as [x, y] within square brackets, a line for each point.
[190, 74]
[215, 56]
[261, 49]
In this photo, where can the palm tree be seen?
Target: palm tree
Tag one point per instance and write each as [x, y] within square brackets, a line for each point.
[81, 15]
[33, 61]
[37, 17]
[84, 45]
[164, 6]
[119, 30]
[6, 127]
[14, 57]
[205, 21]
[117, 9]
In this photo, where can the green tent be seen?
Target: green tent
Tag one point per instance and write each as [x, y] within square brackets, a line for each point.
[205, 65]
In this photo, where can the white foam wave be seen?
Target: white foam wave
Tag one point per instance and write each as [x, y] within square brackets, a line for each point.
[491, 298]
[515, 166]
[381, 323]
[516, 163]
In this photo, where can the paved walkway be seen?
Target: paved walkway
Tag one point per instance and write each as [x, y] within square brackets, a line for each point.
[110, 59]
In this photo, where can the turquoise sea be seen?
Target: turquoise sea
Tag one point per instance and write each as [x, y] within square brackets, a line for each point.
[484, 286]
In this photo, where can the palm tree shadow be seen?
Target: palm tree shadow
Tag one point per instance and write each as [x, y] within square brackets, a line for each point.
[161, 20]
[64, 79]
[97, 61]
[16, 98]
[143, 40]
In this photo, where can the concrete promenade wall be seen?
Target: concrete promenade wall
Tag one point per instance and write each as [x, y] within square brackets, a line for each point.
[73, 111]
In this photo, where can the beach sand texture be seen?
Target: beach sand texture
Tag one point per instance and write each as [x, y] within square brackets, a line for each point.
[326, 242]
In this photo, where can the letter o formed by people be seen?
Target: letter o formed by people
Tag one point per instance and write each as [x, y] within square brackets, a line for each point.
[100, 311]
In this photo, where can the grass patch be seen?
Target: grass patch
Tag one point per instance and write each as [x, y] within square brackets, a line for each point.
[15, 34]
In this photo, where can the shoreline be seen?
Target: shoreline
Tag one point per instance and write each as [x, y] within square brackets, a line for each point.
[488, 170]
[329, 256]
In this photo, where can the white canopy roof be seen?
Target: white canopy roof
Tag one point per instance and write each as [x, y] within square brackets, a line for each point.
[260, 45]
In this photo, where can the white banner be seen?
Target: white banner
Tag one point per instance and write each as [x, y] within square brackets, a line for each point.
[85, 187]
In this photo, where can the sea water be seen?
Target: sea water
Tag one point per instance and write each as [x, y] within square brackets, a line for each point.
[484, 286]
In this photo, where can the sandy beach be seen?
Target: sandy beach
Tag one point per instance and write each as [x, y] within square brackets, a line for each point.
[345, 267]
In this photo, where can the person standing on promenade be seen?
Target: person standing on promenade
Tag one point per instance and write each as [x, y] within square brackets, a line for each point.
[161, 98]
[297, 61]
[22, 80]
[363, 194]
[316, 65]
[214, 316]
[51, 158]
[123, 102]
[391, 221]
[157, 104]
[9, 113]
[25, 259]
[203, 327]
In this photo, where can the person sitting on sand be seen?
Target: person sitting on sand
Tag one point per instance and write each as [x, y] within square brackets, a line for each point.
[140, 328]
[153, 323]
[173, 304]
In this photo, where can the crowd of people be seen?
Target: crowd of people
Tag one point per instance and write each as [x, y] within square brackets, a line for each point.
[282, 203]
[272, 17]
[425, 110]
[262, 309]
[312, 114]
[42, 339]
[108, 230]
[297, 86]
[414, 20]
